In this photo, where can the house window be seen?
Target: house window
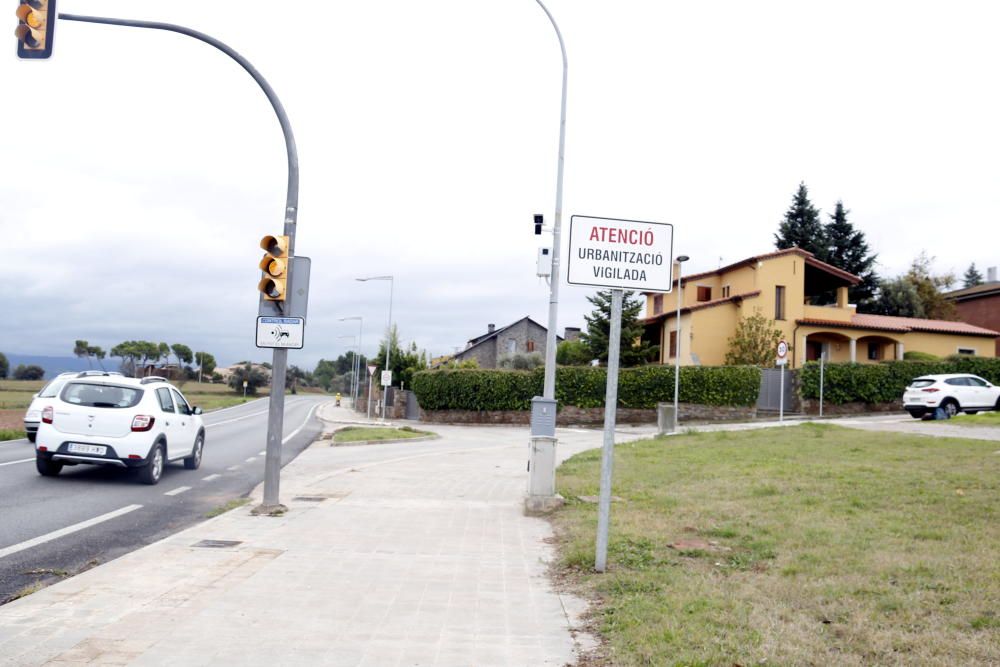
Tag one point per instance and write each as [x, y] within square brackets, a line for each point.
[530, 346]
[725, 291]
[511, 346]
[875, 351]
[779, 302]
[967, 350]
[672, 352]
[657, 304]
[704, 293]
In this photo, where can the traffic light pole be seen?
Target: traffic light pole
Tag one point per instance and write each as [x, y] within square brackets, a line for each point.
[276, 409]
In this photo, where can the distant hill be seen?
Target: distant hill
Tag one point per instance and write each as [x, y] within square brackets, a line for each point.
[55, 365]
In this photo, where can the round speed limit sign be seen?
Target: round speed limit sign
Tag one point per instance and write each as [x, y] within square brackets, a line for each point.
[782, 349]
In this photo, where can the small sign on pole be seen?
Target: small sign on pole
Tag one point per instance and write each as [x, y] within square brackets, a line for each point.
[386, 378]
[781, 361]
[280, 332]
[371, 370]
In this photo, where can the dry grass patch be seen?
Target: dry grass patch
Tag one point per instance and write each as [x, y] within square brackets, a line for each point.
[812, 545]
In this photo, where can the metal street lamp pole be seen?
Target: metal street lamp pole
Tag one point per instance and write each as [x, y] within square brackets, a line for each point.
[677, 348]
[276, 401]
[388, 334]
[356, 366]
[354, 340]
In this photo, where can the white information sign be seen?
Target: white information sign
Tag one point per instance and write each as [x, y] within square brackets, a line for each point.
[284, 332]
[782, 353]
[622, 254]
[371, 370]
[386, 378]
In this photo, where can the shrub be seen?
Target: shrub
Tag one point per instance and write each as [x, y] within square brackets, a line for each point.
[885, 382]
[913, 355]
[584, 387]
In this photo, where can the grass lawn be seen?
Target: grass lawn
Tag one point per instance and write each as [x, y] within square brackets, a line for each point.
[365, 433]
[981, 419]
[809, 545]
[10, 434]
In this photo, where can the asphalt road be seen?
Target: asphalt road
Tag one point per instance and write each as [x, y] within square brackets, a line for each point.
[52, 527]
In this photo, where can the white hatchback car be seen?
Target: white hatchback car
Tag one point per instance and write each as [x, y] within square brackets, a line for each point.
[118, 421]
[953, 393]
[33, 417]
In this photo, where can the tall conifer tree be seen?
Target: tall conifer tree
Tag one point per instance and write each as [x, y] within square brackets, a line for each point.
[802, 227]
[848, 250]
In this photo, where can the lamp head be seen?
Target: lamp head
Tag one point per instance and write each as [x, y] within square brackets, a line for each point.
[682, 258]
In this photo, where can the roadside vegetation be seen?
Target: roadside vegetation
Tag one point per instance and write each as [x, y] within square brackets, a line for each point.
[981, 419]
[368, 434]
[805, 545]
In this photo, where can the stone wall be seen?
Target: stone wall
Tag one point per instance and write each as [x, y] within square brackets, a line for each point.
[811, 407]
[573, 416]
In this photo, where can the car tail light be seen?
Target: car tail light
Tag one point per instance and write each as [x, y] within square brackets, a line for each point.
[142, 422]
[43, 448]
[931, 390]
[47, 414]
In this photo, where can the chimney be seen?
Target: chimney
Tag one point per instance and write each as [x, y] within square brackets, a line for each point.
[490, 328]
[571, 333]
[991, 274]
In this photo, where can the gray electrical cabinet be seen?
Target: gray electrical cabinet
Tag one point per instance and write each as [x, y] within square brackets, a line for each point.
[543, 417]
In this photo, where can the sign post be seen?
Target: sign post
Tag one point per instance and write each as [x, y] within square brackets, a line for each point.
[622, 255]
[386, 384]
[782, 361]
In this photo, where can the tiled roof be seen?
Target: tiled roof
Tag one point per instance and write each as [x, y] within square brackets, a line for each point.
[903, 325]
[809, 258]
[979, 291]
[736, 298]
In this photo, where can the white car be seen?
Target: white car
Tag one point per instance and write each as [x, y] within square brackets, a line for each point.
[953, 393]
[34, 414]
[118, 421]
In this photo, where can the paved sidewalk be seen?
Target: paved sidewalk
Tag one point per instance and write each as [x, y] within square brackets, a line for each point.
[406, 554]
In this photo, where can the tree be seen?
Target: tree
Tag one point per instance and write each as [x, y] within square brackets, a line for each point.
[81, 349]
[31, 372]
[206, 364]
[403, 363]
[98, 352]
[135, 354]
[520, 361]
[573, 353]
[254, 376]
[972, 276]
[802, 227]
[848, 250]
[4, 366]
[162, 352]
[754, 343]
[917, 293]
[633, 350]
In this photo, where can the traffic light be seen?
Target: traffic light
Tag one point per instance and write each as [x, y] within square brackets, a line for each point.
[36, 24]
[274, 264]
[538, 223]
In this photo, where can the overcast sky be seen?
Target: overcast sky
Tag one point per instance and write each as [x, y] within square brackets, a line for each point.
[139, 169]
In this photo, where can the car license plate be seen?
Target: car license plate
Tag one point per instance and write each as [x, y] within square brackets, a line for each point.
[80, 448]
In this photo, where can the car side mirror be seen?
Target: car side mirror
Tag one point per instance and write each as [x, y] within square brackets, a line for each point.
[196, 410]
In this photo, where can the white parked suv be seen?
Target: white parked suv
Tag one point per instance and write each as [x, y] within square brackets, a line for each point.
[118, 421]
[33, 417]
[951, 393]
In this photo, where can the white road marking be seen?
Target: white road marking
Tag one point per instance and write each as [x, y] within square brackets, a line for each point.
[251, 459]
[56, 534]
[10, 463]
[264, 453]
[236, 419]
[211, 477]
[231, 468]
[179, 490]
[296, 431]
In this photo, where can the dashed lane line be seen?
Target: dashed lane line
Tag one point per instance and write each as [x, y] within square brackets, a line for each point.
[10, 463]
[211, 477]
[251, 459]
[56, 534]
[179, 490]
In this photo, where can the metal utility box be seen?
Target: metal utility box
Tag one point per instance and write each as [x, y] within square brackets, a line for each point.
[544, 263]
[543, 417]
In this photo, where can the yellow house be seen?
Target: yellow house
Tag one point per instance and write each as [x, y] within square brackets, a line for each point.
[780, 285]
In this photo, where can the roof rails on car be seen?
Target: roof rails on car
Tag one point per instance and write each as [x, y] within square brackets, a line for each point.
[151, 379]
[84, 374]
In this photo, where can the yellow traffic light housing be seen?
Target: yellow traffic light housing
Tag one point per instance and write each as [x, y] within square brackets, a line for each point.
[36, 24]
[274, 264]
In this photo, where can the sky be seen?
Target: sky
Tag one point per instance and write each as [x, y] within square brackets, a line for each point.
[139, 169]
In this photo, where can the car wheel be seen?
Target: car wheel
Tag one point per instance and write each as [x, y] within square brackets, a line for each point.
[192, 462]
[31, 437]
[47, 467]
[152, 471]
[949, 408]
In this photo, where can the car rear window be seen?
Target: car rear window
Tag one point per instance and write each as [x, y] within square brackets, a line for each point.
[922, 382]
[100, 395]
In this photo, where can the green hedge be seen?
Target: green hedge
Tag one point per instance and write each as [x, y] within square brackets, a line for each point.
[885, 382]
[584, 387]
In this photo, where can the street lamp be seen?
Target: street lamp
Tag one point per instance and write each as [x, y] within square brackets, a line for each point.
[354, 341]
[677, 348]
[356, 382]
[388, 333]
